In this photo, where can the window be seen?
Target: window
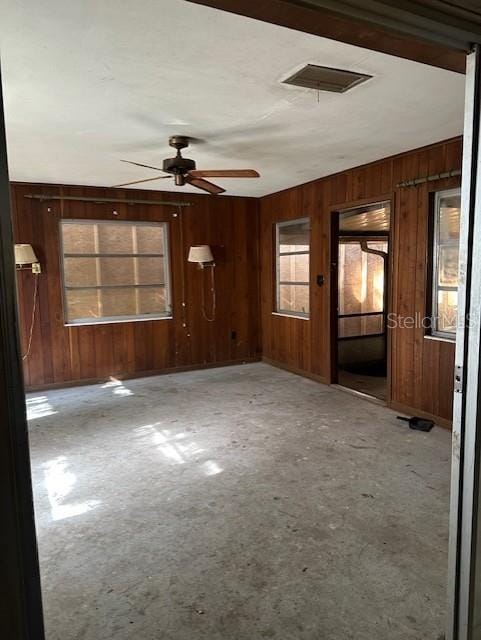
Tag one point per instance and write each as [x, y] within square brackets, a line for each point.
[292, 267]
[444, 301]
[114, 271]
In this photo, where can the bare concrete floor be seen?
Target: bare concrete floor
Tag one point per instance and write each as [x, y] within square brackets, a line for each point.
[236, 503]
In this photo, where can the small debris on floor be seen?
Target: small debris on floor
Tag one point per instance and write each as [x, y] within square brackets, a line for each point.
[367, 495]
[417, 423]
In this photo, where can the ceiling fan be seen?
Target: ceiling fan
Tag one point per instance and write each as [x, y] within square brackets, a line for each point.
[184, 171]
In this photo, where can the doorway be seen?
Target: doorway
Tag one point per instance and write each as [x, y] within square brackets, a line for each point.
[361, 244]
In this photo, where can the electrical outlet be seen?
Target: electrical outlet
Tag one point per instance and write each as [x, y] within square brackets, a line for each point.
[233, 335]
[36, 268]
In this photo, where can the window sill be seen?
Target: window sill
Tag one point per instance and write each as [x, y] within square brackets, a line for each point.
[289, 315]
[441, 339]
[119, 321]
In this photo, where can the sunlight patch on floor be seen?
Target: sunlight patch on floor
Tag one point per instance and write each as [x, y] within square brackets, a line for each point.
[59, 482]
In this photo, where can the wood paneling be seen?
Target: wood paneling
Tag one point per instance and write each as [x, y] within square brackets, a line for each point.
[421, 368]
[62, 354]
[331, 24]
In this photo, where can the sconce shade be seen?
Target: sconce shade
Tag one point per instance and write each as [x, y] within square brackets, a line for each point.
[24, 254]
[200, 253]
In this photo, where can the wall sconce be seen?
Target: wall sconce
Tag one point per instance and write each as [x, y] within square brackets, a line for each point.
[26, 260]
[25, 257]
[201, 254]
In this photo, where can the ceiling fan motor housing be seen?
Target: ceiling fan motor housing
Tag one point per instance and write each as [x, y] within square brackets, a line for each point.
[178, 167]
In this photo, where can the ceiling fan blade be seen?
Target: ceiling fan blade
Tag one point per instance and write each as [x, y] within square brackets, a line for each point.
[146, 166]
[126, 184]
[224, 173]
[203, 184]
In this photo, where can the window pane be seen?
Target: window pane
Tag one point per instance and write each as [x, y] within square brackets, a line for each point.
[349, 327]
[82, 304]
[447, 311]
[115, 238]
[294, 237]
[152, 300]
[361, 326]
[373, 324]
[116, 271]
[78, 238]
[294, 268]
[150, 239]
[118, 302]
[375, 283]
[294, 298]
[448, 266]
[449, 214]
[150, 270]
[80, 272]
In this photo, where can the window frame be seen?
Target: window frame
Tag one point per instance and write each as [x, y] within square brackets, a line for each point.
[167, 315]
[278, 283]
[433, 331]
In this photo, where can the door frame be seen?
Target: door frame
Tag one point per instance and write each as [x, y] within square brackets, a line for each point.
[20, 591]
[334, 285]
[416, 43]
[464, 565]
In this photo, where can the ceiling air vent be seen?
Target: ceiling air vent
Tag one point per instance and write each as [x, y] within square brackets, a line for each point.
[326, 79]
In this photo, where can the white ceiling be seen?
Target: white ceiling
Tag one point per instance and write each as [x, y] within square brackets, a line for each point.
[88, 83]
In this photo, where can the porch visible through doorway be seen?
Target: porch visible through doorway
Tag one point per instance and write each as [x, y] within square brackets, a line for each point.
[362, 300]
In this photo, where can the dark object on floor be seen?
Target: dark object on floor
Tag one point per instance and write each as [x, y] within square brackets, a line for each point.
[418, 424]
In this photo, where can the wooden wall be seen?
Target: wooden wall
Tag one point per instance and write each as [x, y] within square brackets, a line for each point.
[421, 369]
[62, 354]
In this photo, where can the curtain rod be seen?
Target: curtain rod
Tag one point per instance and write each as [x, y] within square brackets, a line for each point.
[43, 198]
[436, 176]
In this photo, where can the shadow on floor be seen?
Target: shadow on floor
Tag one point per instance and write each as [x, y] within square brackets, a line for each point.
[368, 378]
